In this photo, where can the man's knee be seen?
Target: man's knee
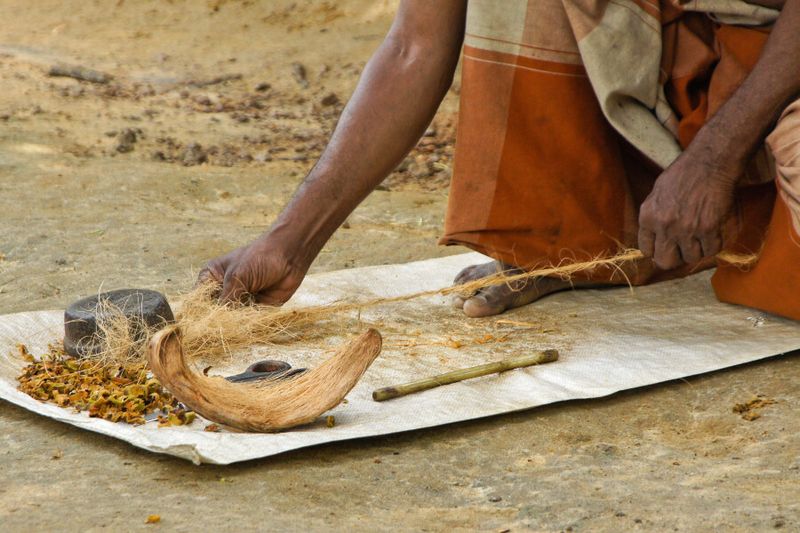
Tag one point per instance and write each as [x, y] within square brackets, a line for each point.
[784, 141]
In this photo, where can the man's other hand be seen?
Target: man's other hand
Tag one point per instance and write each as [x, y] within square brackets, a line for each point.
[681, 220]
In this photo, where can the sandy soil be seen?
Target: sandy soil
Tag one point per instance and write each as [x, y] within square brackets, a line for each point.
[214, 113]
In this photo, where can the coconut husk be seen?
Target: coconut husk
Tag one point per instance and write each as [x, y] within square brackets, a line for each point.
[266, 406]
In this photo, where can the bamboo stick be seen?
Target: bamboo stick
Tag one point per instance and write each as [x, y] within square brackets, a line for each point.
[520, 361]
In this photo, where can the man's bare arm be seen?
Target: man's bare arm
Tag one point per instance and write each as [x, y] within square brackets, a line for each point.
[738, 129]
[682, 219]
[398, 93]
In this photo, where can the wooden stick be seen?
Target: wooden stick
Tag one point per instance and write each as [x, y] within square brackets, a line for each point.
[520, 361]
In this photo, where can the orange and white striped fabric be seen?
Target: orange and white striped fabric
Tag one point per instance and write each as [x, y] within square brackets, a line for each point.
[571, 108]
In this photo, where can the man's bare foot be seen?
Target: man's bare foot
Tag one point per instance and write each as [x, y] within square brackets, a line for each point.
[498, 298]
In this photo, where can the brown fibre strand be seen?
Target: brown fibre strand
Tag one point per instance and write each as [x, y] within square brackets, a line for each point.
[212, 331]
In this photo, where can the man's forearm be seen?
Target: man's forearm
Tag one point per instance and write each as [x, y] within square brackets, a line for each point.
[731, 137]
[396, 98]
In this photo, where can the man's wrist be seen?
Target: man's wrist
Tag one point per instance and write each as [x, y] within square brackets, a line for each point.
[723, 158]
[299, 241]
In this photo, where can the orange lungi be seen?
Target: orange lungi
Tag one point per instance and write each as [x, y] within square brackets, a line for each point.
[546, 169]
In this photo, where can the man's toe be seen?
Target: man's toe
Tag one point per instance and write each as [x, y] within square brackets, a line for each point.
[466, 274]
[473, 272]
[482, 305]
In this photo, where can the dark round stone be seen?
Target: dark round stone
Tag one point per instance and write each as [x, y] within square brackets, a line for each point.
[146, 309]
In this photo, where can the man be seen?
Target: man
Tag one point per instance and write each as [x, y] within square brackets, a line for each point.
[584, 124]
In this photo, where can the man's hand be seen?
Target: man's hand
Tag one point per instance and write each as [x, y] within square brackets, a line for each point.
[261, 271]
[681, 220]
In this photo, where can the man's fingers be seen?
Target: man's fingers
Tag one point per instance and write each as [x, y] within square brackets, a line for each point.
[666, 253]
[233, 289]
[206, 277]
[211, 273]
[646, 242]
[273, 298]
[712, 245]
[691, 250]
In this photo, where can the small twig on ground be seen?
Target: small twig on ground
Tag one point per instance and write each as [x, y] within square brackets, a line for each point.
[214, 81]
[300, 75]
[79, 73]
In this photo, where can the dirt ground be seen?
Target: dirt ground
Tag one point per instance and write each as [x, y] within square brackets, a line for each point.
[214, 112]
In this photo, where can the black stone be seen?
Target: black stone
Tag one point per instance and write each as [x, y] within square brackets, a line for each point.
[147, 309]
